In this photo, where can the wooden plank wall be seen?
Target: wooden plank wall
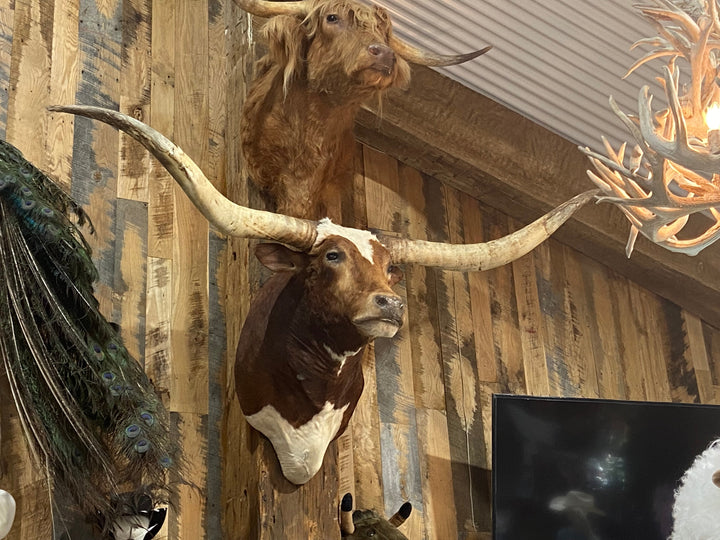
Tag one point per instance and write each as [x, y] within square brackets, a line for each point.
[162, 61]
[553, 323]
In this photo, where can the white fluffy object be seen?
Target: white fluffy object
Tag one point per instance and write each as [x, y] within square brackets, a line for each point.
[696, 513]
[7, 512]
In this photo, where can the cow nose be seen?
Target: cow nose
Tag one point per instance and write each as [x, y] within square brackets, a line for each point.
[383, 54]
[391, 305]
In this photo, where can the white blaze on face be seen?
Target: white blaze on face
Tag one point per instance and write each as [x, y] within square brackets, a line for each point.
[299, 450]
[362, 239]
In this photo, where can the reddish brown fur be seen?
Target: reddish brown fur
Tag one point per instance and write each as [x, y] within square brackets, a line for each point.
[298, 117]
[308, 304]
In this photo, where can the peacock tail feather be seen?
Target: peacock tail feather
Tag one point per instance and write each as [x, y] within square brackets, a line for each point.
[88, 410]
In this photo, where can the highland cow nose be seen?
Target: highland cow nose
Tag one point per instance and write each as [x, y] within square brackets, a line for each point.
[383, 54]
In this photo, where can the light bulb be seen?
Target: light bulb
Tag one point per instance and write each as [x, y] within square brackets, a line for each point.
[712, 116]
[712, 119]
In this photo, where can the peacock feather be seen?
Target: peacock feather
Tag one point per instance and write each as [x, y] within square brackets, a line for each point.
[92, 417]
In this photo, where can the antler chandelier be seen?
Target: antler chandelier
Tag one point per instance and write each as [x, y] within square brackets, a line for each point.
[673, 170]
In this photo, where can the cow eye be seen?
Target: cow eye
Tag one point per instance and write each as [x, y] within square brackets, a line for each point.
[371, 532]
[334, 256]
[391, 269]
[332, 18]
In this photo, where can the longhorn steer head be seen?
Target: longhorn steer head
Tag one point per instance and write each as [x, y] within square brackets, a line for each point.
[298, 374]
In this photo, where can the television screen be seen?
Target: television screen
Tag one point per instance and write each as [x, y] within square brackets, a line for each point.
[590, 469]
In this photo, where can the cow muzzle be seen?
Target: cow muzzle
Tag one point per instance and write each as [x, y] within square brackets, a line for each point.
[382, 317]
[383, 58]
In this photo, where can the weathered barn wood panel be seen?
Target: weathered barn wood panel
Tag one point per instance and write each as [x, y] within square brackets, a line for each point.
[552, 323]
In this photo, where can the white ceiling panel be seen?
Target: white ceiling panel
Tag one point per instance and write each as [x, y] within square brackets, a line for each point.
[553, 61]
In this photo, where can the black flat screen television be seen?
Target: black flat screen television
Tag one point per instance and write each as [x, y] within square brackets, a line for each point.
[591, 469]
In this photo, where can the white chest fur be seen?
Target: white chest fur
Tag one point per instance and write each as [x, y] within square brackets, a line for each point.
[299, 450]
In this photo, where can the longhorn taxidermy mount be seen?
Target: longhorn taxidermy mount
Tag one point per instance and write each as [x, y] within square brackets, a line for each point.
[673, 170]
[90, 415]
[325, 59]
[298, 374]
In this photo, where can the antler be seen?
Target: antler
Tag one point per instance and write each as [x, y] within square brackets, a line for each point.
[671, 173]
[663, 185]
[237, 220]
[415, 55]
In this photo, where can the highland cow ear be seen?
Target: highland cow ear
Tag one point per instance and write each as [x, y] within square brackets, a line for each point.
[286, 36]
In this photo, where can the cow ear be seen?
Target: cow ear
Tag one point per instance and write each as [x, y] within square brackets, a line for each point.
[395, 275]
[286, 37]
[278, 258]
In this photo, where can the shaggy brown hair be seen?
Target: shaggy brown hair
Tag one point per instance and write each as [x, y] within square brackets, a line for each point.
[298, 117]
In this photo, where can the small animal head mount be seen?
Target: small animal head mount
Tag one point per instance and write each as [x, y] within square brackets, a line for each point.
[363, 524]
[340, 47]
[324, 409]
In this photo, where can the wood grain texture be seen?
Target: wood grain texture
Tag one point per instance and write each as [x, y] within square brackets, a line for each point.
[64, 77]
[438, 500]
[25, 47]
[135, 96]
[161, 187]
[7, 23]
[555, 322]
[393, 362]
[365, 422]
[478, 146]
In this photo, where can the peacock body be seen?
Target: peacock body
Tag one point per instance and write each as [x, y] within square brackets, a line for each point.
[89, 412]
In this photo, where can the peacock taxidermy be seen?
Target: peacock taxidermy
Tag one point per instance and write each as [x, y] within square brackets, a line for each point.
[89, 412]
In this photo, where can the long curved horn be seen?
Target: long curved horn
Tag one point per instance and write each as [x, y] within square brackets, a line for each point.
[414, 55]
[266, 8]
[229, 218]
[236, 220]
[418, 56]
[487, 255]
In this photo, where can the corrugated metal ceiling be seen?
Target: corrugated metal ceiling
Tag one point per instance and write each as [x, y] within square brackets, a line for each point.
[554, 61]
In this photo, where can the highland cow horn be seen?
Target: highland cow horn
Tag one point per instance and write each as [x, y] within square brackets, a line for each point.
[266, 8]
[236, 220]
[420, 57]
[414, 55]
[230, 218]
